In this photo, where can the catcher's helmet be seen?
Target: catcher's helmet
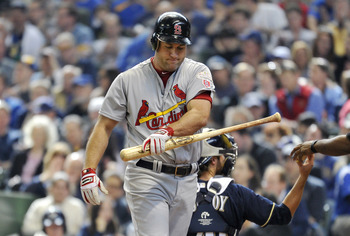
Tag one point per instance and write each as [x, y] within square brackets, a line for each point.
[219, 145]
[171, 27]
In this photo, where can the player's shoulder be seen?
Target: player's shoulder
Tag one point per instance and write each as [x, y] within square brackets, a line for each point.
[223, 182]
[139, 68]
[190, 63]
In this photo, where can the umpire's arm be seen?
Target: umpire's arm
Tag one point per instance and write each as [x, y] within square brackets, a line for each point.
[98, 141]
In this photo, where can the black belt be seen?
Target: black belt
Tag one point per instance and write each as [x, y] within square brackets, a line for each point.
[175, 170]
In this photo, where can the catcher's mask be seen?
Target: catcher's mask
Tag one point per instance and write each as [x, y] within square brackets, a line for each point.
[219, 145]
[171, 27]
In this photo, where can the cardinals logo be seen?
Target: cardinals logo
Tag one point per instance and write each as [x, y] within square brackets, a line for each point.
[177, 29]
[178, 92]
[142, 112]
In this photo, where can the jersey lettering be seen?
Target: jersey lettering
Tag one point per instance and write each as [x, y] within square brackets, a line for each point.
[219, 202]
[157, 122]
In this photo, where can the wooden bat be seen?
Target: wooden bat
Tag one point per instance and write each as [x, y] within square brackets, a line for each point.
[136, 152]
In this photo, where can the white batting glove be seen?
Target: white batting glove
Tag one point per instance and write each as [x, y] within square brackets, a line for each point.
[89, 186]
[157, 140]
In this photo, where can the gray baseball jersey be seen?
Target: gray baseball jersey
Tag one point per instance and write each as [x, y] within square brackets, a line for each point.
[160, 204]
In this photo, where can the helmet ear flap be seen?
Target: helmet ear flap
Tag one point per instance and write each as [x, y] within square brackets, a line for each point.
[154, 42]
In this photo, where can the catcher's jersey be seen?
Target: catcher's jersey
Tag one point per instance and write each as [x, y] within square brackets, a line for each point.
[139, 96]
[231, 206]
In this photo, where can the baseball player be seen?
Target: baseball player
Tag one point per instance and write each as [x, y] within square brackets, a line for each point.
[164, 96]
[222, 206]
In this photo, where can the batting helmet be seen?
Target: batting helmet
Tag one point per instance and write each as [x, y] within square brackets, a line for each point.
[219, 145]
[171, 27]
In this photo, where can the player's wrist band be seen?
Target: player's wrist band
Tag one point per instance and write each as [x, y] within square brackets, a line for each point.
[313, 149]
[89, 170]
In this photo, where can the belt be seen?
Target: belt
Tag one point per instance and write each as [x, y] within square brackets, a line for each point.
[182, 170]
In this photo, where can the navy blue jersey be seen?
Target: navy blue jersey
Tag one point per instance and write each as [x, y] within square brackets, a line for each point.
[231, 206]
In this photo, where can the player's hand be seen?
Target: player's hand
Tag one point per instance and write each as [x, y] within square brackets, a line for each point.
[157, 140]
[89, 186]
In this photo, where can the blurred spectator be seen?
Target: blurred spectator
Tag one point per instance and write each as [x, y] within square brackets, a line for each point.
[303, 6]
[226, 43]
[345, 109]
[294, 98]
[74, 132]
[114, 185]
[6, 64]
[21, 77]
[67, 21]
[244, 80]
[322, 77]
[295, 30]
[239, 19]
[305, 119]
[341, 213]
[82, 88]
[324, 164]
[218, 18]
[20, 39]
[8, 137]
[72, 166]
[273, 132]
[52, 163]
[340, 26]
[137, 51]
[225, 92]
[108, 47]
[268, 82]
[49, 68]
[105, 78]
[39, 133]
[252, 50]
[301, 56]
[260, 16]
[38, 88]
[54, 223]
[72, 208]
[102, 220]
[17, 107]
[63, 94]
[254, 102]
[275, 182]
[320, 13]
[69, 54]
[128, 11]
[38, 15]
[246, 173]
[324, 44]
[261, 153]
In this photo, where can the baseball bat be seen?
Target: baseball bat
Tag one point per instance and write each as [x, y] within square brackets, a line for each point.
[136, 152]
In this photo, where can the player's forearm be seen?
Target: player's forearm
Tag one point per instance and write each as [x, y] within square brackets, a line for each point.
[97, 142]
[293, 198]
[193, 120]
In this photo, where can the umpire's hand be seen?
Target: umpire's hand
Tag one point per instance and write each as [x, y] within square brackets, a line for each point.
[89, 186]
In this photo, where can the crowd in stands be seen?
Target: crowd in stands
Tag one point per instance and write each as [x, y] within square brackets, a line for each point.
[59, 57]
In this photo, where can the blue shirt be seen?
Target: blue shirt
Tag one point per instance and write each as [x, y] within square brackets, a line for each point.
[342, 192]
[333, 100]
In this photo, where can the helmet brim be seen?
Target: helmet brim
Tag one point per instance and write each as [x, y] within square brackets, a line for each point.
[174, 39]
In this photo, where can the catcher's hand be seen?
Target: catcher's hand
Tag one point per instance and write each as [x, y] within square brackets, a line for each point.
[89, 186]
[157, 140]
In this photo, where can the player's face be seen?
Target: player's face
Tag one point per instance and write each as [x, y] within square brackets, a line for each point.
[169, 56]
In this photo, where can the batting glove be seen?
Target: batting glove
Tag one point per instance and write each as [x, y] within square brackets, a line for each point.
[157, 140]
[89, 186]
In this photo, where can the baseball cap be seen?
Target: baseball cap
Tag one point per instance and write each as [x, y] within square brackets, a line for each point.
[53, 216]
[82, 80]
[29, 60]
[287, 143]
[43, 104]
[252, 99]
[281, 52]
[217, 63]
[253, 35]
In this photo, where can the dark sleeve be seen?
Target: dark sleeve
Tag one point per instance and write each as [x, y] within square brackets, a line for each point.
[256, 208]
